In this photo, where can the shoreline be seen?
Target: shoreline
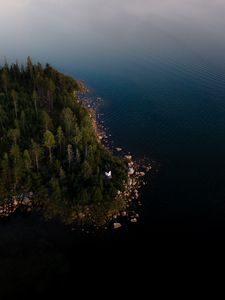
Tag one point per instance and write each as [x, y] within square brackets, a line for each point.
[137, 168]
[129, 196]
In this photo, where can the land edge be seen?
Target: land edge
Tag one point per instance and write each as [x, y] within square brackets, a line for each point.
[136, 169]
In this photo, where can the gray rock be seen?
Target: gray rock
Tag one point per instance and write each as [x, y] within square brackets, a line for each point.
[129, 157]
[131, 171]
[26, 201]
[15, 202]
[133, 220]
[116, 225]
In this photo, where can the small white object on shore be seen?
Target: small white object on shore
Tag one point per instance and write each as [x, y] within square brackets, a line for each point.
[108, 174]
[117, 225]
[119, 149]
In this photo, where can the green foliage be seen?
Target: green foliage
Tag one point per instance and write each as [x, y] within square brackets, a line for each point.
[48, 144]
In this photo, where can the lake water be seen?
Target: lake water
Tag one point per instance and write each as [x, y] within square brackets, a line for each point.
[160, 68]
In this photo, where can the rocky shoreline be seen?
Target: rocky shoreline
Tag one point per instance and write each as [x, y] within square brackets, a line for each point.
[136, 169]
[130, 195]
[24, 201]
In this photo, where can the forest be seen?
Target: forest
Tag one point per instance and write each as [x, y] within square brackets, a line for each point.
[48, 146]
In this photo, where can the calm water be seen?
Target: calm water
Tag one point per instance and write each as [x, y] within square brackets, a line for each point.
[160, 68]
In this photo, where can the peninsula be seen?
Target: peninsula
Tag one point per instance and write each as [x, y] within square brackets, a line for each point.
[50, 154]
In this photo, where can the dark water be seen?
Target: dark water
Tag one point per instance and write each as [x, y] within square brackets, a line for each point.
[160, 68]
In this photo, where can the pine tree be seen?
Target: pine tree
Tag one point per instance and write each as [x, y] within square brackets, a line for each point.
[36, 152]
[15, 99]
[14, 135]
[5, 166]
[3, 117]
[60, 138]
[70, 154]
[27, 159]
[35, 99]
[49, 142]
[47, 121]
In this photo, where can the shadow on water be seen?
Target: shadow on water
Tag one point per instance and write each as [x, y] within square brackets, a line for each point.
[41, 257]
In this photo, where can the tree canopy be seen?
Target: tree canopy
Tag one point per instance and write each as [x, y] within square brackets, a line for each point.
[48, 144]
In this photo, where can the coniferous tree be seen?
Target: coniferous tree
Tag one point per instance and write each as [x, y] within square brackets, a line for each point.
[39, 111]
[49, 142]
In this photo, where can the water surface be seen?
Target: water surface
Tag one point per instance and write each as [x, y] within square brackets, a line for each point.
[160, 68]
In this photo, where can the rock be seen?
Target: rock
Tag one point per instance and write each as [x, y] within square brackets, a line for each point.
[15, 202]
[128, 157]
[133, 220]
[131, 171]
[142, 173]
[119, 149]
[81, 215]
[124, 213]
[26, 201]
[116, 225]
[130, 182]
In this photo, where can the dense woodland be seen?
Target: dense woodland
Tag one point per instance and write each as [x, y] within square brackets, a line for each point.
[48, 145]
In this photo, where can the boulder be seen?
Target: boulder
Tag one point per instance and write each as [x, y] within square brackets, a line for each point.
[131, 171]
[133, 220]
[15, 202]
[26, 201]
[117, 225]
[130, 182]
[128, 157]
[81, 215]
